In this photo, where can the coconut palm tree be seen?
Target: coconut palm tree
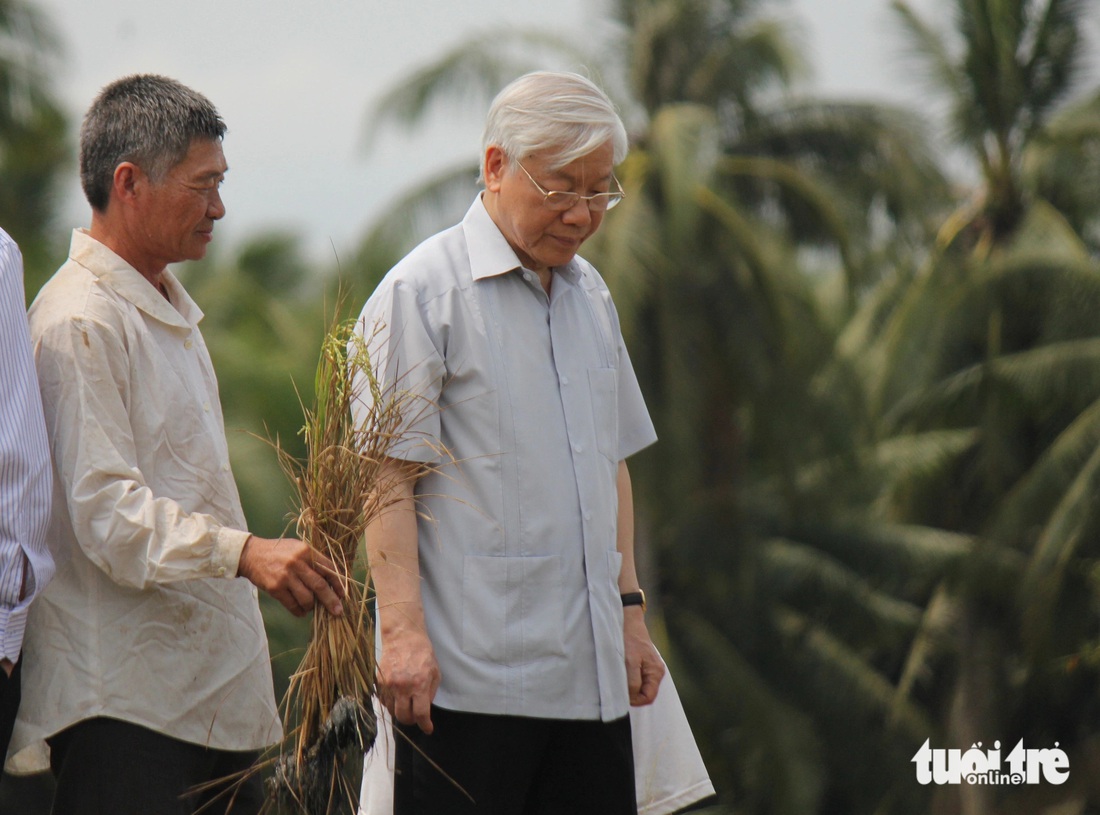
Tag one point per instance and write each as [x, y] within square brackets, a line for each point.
[991, 346]
[1004, 70]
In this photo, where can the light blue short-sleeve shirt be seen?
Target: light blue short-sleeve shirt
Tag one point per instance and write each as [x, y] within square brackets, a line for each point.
[535, 401]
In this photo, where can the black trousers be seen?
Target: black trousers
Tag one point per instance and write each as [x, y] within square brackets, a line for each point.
[514, 765]
[9, 705]
[109, 767]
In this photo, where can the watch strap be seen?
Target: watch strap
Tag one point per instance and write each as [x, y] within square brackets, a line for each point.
[634, 598]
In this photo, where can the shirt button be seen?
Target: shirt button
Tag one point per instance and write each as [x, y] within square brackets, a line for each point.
[226, 466]
[565, 380]
[577, 448]
[206, 406]
[220, 571]
[188, 343]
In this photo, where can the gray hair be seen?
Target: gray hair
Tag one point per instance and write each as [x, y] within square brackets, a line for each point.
[145, 119]
[562, 113]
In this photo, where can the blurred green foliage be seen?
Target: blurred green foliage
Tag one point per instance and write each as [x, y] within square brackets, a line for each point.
[34, 135]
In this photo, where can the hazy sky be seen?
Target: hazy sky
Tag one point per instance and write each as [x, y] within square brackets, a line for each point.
[294, 81]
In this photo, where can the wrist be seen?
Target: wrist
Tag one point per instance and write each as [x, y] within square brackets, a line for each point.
[402, 620]
[633, 614]
[633, 599]
[229, 552]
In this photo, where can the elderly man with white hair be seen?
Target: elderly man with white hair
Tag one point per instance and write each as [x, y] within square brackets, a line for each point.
[511, 620]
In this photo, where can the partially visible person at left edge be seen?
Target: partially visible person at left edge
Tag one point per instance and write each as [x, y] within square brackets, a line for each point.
[25, 563]
[147, 671]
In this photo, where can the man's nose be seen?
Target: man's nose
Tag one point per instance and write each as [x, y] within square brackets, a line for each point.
[215, 209]
[579, 213]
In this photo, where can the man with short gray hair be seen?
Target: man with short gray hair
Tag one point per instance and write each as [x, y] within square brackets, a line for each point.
[147, 668]
[513, 640]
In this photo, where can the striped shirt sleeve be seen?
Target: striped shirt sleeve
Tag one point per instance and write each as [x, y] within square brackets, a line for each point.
[25, 473]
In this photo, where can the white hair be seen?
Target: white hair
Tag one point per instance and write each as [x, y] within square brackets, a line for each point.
[563, 114]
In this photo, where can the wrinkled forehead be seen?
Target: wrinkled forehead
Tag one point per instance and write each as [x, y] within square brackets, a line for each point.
[203, 159]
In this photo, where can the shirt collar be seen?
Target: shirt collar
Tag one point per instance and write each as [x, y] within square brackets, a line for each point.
[128, 283]
[490, 253]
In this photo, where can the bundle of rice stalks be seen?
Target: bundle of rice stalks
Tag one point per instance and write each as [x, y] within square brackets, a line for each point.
[328, 712]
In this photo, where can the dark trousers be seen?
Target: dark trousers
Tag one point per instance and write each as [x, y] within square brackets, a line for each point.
[513, 765]
[108, 767]
[9, 706]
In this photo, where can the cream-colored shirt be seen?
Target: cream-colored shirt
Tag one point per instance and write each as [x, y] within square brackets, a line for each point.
[145, 621]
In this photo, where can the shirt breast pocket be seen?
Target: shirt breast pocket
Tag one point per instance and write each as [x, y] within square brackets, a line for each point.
[604, 388]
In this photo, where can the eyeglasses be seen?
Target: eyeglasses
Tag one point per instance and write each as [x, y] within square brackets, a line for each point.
[560, 201]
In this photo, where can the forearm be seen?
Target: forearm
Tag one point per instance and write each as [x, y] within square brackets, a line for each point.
[392, 551]
[140, 539]
[628, 576]
[137, 537]
[140, 528]
[644, 667]
[408, 671]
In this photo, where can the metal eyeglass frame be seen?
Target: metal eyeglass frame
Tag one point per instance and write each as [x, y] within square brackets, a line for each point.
[556, 199]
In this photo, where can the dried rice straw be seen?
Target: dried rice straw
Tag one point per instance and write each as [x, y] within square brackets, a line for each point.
[328, 711]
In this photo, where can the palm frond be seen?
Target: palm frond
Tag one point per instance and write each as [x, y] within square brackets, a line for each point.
[1057, 56]
[876, 469]
[29, 49]
[470, 74]
[934, 638]
[771, 747]
[1034, 498]
[836, 596]
[422, 210]
[1064, 372]
[685, 146]
[1073, 521]
[839, 673]
[904, 556]
[628, 248]
[875, 155]
[802, 186]
[928, 52]
[1062, 164]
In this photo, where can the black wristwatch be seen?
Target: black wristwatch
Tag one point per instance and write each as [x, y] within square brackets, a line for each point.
[634, 598]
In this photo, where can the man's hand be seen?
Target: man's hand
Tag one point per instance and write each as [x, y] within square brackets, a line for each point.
[409, 677]
[292, 573]
[644, 667]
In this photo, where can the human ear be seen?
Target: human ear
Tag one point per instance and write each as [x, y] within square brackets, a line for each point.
[128, 177]
[495, 165]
